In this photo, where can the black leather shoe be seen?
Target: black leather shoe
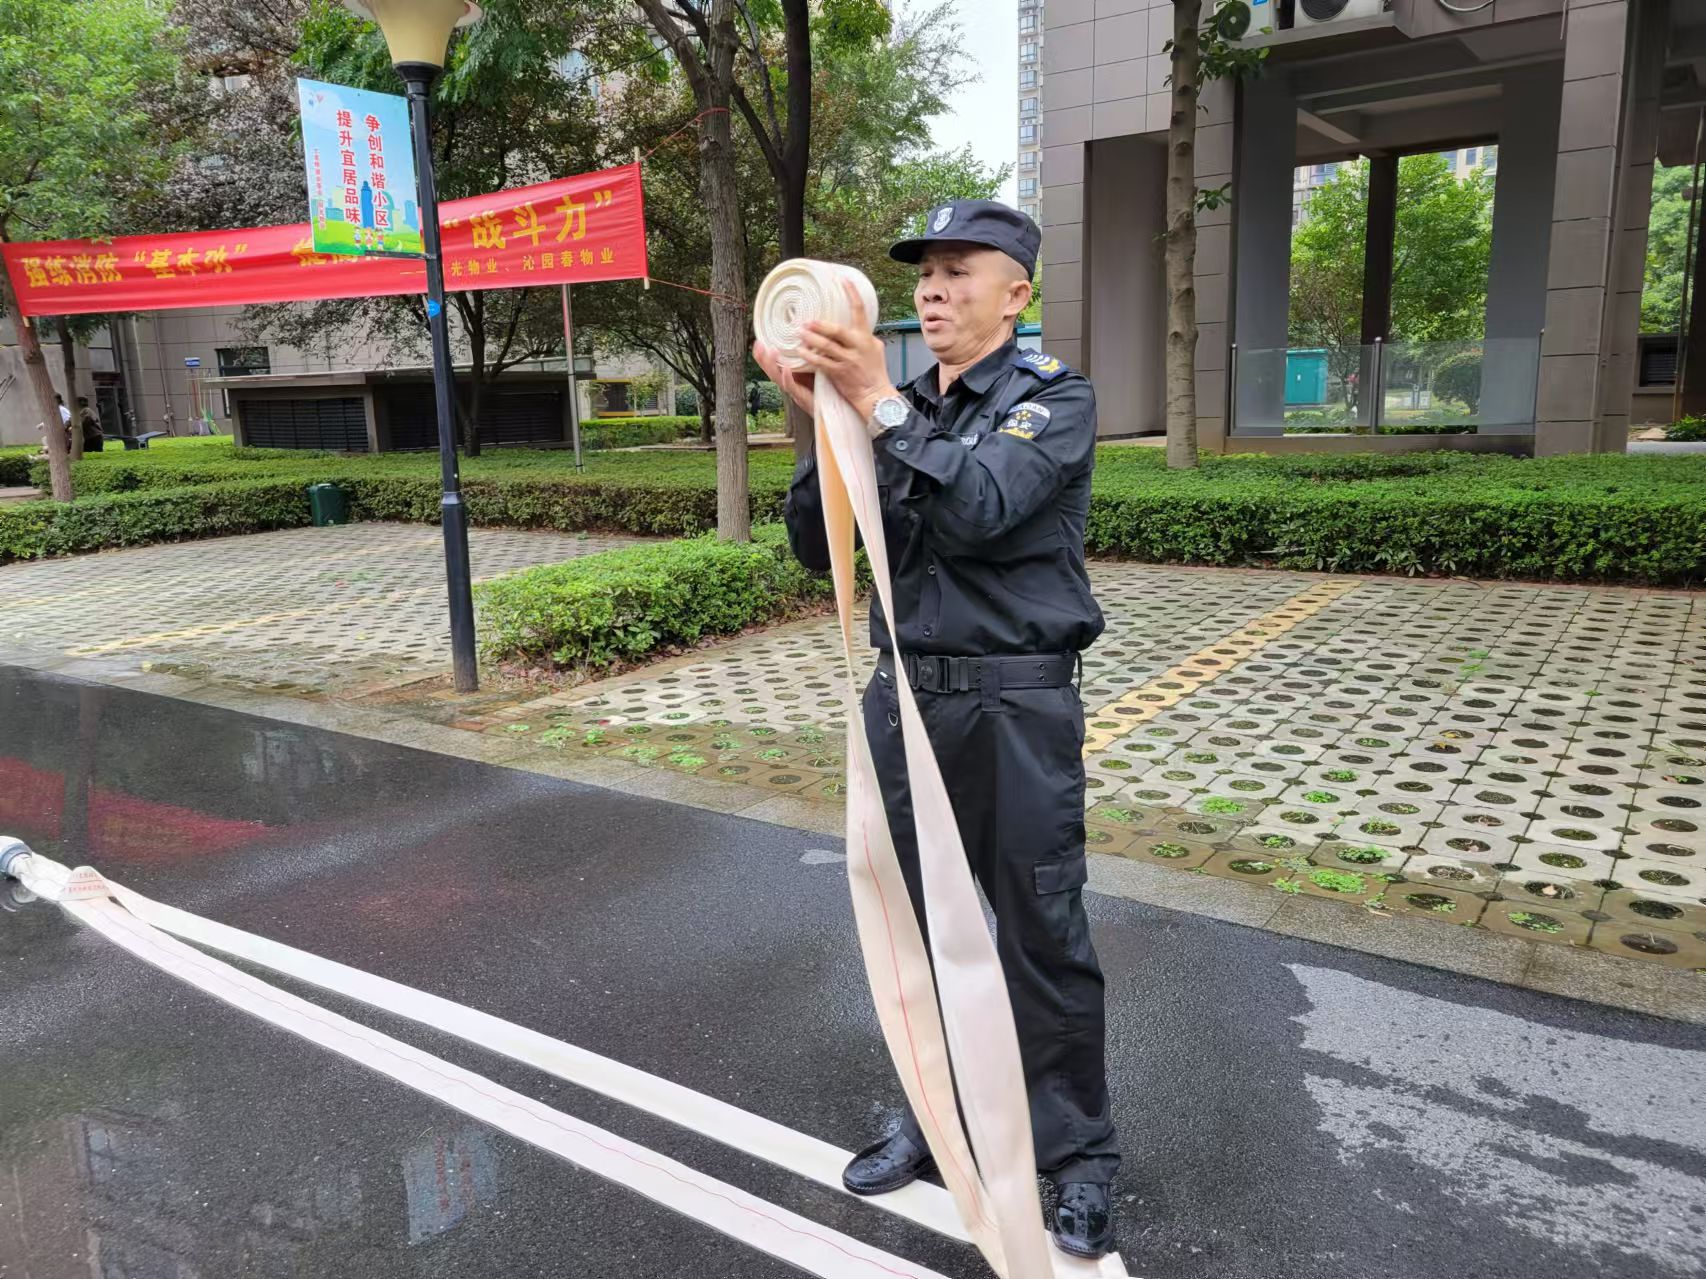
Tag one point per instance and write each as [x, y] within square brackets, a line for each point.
[888, 1165]
[1084, 1220]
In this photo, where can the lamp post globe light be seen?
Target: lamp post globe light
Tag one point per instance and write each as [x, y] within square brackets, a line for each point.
[418, 33]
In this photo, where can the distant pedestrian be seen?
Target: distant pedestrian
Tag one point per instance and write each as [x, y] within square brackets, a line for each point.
[89, 422]
[64, 420]
[754, 402]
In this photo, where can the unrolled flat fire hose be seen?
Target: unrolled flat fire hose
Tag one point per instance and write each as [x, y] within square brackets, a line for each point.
[150, 931]
[956, 1055]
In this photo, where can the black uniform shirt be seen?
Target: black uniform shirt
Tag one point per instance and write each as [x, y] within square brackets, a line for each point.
[985, 491]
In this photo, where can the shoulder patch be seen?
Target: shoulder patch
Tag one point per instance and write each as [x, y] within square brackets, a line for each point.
[1027, 420]
[1044, 366]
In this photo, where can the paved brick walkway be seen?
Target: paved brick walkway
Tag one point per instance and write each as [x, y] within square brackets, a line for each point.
[1525, 759]
[300, 610]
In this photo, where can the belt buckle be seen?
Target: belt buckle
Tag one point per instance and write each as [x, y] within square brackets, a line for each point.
[932, 673]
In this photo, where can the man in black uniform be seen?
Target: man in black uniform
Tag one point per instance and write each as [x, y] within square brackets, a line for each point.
[983, 465]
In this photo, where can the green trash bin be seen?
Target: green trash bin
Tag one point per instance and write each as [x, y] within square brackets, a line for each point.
[328, 504]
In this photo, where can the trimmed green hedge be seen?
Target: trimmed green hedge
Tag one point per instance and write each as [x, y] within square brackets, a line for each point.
[590, 613]
[570, 503]
[1566, 518]
[635, 432]
[15, 467]
[1639, 518]
[31, 530]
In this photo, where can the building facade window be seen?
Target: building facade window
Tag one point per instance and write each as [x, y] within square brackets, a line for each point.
[1028, 160]
[1027, 186]
[1028, 21]
[1028, 51]
[241, 361]
[1027, 106]
[1029, 209]
[1027, 133]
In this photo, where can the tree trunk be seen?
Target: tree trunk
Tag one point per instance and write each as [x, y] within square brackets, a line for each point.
[796, 160]
[728, 320]
[68, 357]
[35, 367]
[476, 384]
[476, 406]
[797, 423]
[711, 72]
[1182, 238]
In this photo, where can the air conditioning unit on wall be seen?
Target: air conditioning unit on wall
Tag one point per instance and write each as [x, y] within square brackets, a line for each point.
[1315, 13]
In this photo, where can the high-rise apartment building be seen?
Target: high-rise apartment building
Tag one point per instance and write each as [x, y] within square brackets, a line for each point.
[1030, 161]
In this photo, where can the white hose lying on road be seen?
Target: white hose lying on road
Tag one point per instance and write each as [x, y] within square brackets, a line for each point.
[140, 926]
[986, 1159]
[151, 931]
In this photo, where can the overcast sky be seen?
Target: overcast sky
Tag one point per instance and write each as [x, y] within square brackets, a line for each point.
[986, 114]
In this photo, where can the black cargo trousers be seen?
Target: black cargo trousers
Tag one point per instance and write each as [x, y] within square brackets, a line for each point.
[1015, 777]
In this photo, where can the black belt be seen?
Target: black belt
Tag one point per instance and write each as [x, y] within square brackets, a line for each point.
[930, 673]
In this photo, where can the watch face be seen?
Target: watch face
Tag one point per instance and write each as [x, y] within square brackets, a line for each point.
[891, 411]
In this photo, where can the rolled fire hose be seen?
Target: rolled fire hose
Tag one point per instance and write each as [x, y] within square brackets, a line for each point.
[959, 1056]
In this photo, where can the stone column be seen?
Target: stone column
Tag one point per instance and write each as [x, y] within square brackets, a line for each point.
[1267, 158]
[1612, 63]
[1516, 275]
[1631, 210]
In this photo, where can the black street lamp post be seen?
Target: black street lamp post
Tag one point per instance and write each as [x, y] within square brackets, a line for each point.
[418, 32]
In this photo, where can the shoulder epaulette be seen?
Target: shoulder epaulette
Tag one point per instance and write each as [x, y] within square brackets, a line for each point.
[1044, 366]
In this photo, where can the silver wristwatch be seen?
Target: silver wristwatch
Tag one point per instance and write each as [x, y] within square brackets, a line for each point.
[890, 412]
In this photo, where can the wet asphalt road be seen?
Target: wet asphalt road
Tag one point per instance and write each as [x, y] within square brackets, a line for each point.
[1288, 1109]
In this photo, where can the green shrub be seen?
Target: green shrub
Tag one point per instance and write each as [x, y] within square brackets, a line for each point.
[1690, 430]
[616, 433]
[15, 467]
[682, 424]
[592, 612]
[31, 530]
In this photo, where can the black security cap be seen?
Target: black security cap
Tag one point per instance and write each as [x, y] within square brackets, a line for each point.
[986, 222]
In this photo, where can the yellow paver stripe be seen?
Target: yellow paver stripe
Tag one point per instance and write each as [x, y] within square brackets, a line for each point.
[1118, 718]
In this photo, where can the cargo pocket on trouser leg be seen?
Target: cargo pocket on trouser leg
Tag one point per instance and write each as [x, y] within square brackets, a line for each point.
[1059, 905]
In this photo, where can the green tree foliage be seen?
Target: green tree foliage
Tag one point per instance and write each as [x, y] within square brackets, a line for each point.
[1667, 249]
[510, 108]
[1440, 256]
[873, 176]
[78, 145]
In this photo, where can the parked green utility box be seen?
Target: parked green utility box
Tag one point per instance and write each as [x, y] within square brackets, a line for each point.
[328, 504]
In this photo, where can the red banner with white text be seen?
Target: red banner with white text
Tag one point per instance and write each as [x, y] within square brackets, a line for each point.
[571, 231]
